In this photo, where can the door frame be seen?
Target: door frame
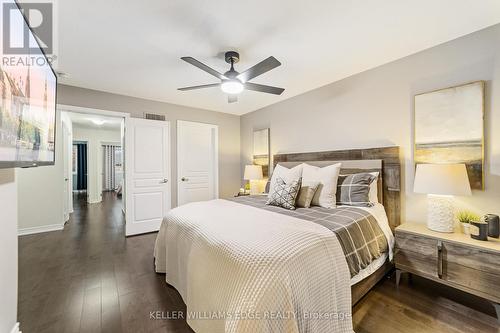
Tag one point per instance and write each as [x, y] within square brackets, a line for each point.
[215, 157]
[67, 187]
[100, 112]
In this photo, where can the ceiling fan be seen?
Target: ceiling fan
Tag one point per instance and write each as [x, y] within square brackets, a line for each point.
[233, 82]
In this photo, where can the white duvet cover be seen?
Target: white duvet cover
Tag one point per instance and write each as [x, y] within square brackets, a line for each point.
[241, 269]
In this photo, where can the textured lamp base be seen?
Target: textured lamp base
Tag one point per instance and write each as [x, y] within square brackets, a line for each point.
[440, 213]
[254, 187]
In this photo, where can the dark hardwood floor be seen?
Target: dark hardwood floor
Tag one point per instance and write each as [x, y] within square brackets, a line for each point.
[90, 278]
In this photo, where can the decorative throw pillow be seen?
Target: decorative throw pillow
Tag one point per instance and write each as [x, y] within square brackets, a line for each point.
[327, 179]
[353, 190]
[284, 194]
[287, 175]
[306, 194]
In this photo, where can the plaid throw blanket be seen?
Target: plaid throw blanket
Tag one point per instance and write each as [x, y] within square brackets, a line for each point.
[357, 230]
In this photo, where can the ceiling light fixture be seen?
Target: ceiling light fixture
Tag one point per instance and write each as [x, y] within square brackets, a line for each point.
[98, 122]
[234, 82]
[232, 86]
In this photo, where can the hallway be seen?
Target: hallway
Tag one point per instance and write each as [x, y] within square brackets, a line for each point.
[90, 278]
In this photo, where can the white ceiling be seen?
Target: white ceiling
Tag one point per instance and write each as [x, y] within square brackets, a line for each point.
[95, 121]
[133, 47]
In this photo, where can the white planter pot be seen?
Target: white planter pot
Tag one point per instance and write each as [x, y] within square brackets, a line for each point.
[465, 228]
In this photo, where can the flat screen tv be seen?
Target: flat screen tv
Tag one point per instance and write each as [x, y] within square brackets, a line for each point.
[28, 106]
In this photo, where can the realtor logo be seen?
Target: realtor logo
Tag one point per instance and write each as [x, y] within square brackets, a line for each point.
[40, 19]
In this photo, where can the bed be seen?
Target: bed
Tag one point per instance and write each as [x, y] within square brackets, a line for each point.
[242, 266]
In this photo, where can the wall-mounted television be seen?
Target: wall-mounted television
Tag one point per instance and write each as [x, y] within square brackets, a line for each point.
[28, 87]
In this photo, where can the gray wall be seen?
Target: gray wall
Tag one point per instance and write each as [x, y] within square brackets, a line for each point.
[375, 108]
[229, 128]
[40, 193]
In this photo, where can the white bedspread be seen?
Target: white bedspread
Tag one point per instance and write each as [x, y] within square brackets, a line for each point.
[251, 270]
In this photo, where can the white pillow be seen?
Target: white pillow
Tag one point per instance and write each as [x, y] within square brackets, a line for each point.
[373, 194]
[288, 175]
[327, 178]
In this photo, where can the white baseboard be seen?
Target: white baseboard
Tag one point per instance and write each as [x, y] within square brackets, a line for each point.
[15, 329]
[37, 230]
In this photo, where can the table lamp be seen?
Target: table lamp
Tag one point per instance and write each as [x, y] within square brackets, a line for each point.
[253, 173]
[440, 182]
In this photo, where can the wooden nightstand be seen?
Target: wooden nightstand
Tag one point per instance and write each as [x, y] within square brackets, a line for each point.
[452, 259]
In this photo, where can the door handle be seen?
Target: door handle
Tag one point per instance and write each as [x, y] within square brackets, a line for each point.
[440, 259]
[164, 181]
[184, 179]
[66, 179]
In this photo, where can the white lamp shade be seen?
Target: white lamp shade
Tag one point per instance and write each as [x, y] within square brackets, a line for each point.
[253, 172]
[442, 179]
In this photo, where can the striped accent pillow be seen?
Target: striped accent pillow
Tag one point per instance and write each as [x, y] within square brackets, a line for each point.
[354, 190]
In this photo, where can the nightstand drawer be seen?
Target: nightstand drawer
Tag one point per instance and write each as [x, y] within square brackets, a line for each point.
[422, 245]
[417, 254]
[472, 257]
[472, 268]
[452, 259]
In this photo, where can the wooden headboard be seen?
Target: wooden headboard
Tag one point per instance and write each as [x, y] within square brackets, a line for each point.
[384, 160]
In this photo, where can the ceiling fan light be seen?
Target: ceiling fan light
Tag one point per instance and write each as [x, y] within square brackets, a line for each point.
[232, 87]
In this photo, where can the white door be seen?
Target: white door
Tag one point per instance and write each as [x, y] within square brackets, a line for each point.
[147, 174]
[66, 168]
[197, 162]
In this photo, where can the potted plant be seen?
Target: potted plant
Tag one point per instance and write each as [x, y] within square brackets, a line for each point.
[465, 218]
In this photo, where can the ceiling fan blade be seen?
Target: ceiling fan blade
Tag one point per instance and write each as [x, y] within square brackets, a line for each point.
[262, 67]
[264, 88]
[204, 67]
[232, 98]
[199, 87]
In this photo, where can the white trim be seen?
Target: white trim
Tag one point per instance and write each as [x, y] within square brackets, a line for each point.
[15, 329]
[80, 109]
[37, 230]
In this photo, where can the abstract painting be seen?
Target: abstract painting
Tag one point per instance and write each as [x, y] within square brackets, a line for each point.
[449, 128]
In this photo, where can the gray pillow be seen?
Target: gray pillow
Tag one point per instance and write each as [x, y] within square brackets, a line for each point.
[354, 190]
[306, 194]
[284, 194]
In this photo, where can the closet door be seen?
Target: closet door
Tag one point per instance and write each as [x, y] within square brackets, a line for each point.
[147, 170]
[197, 162]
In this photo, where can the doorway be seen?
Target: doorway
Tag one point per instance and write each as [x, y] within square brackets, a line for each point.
[79, 166]
[89, 130]
[141, 165]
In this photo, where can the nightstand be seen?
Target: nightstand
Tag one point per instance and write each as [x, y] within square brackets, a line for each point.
[453, 259]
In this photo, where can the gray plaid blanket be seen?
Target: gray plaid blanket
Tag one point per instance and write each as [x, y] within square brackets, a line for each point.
[357, 230]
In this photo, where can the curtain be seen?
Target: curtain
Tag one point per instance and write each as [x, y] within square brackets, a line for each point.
[81, 176]
[109, 179]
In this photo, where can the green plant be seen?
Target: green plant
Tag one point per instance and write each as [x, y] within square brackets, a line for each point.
[466, 216]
